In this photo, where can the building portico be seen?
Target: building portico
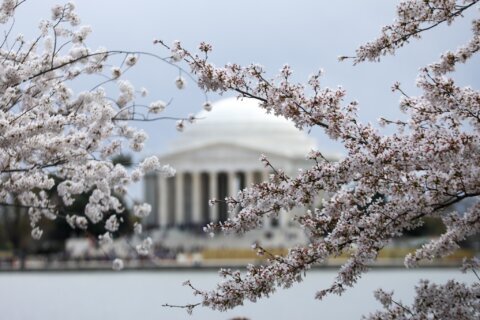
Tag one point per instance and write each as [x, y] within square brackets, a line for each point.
[217, 157]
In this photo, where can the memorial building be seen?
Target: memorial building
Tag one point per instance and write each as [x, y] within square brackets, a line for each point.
[219, 155]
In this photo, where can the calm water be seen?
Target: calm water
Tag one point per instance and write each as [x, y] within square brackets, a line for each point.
[139, 295]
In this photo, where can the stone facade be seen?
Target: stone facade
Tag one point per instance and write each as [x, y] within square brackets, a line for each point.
[218, 156]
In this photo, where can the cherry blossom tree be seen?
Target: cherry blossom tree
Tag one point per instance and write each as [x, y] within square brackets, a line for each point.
[47, 130]
[426, 166]
[430, 163]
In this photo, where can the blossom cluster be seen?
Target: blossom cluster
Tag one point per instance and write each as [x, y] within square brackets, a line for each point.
[413, 18]
[386, 184]
[47, 130]
[452, 300]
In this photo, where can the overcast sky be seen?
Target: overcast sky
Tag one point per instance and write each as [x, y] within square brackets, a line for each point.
[306, 34]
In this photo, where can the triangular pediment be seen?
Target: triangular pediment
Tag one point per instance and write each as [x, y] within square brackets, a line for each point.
[220, 156]
[220, 149]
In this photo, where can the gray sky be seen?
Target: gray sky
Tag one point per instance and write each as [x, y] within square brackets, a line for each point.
[306, 34]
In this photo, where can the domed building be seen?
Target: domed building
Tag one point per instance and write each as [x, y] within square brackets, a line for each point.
[219, 155]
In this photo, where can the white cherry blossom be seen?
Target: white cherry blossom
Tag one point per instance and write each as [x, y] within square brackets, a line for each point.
[385, 185]
[49, 130]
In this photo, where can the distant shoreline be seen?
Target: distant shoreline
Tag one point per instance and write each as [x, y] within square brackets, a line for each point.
[212, 267]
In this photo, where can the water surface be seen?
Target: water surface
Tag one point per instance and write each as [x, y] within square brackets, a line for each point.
[133, 295]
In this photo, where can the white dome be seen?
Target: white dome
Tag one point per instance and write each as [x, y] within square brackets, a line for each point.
[242, 122]
[234, 110]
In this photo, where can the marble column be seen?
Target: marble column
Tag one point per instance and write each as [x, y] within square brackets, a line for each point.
[232, 184]
[196, 198]
[265, 175]
[163, 211]
[267, 223]
[179, 214]
[249, 179]
[213, 194]
[232, 187]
